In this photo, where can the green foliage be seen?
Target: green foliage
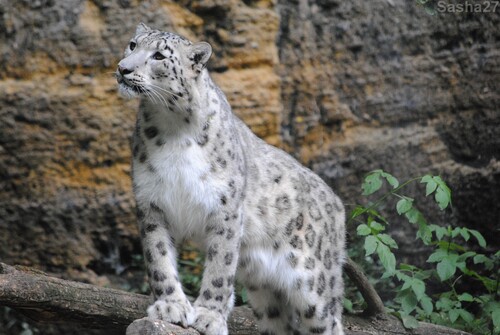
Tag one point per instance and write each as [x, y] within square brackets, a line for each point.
[428, 5]
[451, 261]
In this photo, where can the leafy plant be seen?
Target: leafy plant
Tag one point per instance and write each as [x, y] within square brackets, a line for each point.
[451, 261]
[428, 5]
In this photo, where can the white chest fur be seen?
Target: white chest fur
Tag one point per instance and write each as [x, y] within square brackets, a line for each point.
[177, 179]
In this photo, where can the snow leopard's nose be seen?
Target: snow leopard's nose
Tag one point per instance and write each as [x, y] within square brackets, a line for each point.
[123, 70]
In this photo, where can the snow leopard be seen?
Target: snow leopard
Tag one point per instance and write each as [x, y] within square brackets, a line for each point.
[200, 174]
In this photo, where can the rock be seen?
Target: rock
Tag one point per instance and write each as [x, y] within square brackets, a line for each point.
[147, 326]
[419, 94]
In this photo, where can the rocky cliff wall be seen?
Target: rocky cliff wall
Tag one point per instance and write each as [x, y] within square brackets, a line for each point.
[344, 86]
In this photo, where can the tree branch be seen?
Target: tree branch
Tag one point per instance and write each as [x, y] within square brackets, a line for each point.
[375, 306]
[51, 300]
[47, 299]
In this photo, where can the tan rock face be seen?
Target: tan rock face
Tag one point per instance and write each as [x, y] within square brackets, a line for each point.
[345, 87]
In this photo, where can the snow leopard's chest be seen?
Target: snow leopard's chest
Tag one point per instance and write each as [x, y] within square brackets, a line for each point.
[177, 179]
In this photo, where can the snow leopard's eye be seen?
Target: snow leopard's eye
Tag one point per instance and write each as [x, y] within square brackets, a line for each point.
[132, 45]
[158, 56]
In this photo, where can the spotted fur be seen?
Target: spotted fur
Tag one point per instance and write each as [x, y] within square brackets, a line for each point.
[200, 173]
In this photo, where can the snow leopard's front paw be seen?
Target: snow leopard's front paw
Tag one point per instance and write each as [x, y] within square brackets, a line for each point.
[177, 312]
[209, 322]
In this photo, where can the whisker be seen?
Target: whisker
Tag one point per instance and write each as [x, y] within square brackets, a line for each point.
[176, 97]
[165, 90]
[158, 97]
[156, 89]
[157, 94]
[153, 91]
[149, 95]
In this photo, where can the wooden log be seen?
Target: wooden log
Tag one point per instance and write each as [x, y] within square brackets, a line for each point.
[52, 300]
[47, 299]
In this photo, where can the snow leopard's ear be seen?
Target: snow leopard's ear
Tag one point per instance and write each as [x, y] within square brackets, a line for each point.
[198, 55]
[141, 28]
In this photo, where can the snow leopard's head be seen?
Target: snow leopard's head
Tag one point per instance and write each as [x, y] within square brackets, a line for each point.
[160, 65]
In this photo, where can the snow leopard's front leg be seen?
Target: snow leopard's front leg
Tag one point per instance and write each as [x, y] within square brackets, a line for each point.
[171, 304]
[216, 299]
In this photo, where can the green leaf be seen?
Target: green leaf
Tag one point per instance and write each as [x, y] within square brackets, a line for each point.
[450, 246]
[464, 232]
[430, 187]
[453, 314]
[390, 179]
[426, 303]
[387, 240]
[407, 267]
[490, 284]
[409, 321]
[437, 256]
[446, 269]
[379, 217]
[480, 239]
[442, 198]
[404, 205]
[26, 331]
[363, 230]
[441, 183]
[468, 317]
[462, 266]
[418, 288]
[482, 259]
[444, 304]
[408, 301]
[348, 305]
[465, 297]
[430, 10]
[413, 215]
[426, 178]
[371, 243]
[463, 257]
[424, 274]
[440, 232]
[431, 184]
[455, 232]
[372, 183]
[401, 276]
[407, 283]
[387, 258]
[386, 274]
[376, 226]
[244, 295]
[357, 211]
[495, 315]
[424, 233]
[443, 193]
